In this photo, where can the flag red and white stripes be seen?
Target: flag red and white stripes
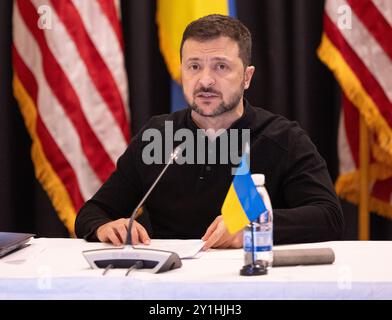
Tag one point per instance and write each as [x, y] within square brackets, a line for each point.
[360, 55]
[71, 85]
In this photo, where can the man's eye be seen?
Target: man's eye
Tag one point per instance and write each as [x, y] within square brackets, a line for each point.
[221, 66]
[194, 67]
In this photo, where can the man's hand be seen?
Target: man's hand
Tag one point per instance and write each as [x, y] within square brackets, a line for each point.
[217, 236]
[116, 232]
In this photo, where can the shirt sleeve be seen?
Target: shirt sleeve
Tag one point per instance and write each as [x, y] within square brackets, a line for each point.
[114, 200]
[312, 211]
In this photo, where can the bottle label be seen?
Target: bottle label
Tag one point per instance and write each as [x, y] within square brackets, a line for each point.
[262, 241]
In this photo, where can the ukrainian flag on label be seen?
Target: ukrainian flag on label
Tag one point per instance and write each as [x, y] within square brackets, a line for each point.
[243, 204]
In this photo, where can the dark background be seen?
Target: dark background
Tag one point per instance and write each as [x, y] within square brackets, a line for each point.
[289, 80]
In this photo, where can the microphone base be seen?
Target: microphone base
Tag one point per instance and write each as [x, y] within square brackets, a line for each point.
[154, 261]
[258, 268]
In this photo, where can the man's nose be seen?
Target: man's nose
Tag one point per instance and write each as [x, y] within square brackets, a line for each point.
[206, 79]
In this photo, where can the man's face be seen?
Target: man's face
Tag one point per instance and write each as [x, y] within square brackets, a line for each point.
[213, 75]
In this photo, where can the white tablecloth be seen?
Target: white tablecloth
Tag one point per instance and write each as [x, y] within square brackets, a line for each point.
[56, 269]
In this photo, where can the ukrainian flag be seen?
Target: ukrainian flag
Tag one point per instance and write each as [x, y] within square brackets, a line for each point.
[172, 18]
[243, 203]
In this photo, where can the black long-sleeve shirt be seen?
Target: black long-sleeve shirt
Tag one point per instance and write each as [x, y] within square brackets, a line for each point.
[190, 196]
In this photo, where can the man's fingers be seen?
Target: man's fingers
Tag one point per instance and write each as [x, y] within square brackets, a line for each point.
[231, 241]
[122, 231]
[211, 240]
[134, 235]
[237, 242]
[224, 243]
[143, 235]
[126, 223]
[221, 238]
[214, 237]
[102, 233]
[102, 236]
[210, 229]
[113, 237]
[116, 232]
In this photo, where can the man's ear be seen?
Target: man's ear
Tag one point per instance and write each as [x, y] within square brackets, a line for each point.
[249, 71]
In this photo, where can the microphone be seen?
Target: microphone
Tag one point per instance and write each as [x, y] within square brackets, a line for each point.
[296, 257]
[173, 156]
[151, 260]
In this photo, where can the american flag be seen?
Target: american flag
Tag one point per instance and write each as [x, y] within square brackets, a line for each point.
[71, 86]
[357, 47]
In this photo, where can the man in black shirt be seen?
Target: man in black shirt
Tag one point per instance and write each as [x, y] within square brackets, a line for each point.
[186, 203]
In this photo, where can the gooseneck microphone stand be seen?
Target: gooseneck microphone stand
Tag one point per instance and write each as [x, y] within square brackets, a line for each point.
[129, 257]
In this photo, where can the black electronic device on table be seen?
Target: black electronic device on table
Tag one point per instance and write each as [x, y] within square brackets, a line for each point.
[12, 241]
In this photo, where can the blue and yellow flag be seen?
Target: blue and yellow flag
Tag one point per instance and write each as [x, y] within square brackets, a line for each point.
[172, 18]
[243, 203]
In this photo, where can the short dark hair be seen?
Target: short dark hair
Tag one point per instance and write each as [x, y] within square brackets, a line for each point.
[216, 25]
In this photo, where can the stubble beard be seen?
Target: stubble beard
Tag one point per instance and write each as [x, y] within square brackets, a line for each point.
[222, 108]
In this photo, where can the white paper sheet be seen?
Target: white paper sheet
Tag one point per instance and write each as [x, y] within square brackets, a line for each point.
[186, 249]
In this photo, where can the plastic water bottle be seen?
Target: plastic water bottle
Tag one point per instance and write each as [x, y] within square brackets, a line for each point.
[263, 229]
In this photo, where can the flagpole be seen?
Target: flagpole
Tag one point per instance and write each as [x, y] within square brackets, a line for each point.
[363, 210]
